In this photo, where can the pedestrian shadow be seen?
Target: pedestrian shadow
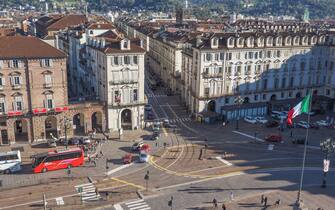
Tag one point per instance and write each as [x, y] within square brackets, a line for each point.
[126, 149]
[249, 205]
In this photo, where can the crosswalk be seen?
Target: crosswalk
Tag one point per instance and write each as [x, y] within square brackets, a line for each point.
[151, 95]
[137, 205]
[182, 119]
[87, 192]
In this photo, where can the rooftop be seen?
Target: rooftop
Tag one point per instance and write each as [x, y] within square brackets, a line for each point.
[27, 47]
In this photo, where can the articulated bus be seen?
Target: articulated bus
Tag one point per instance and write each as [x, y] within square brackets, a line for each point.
[55, 160]
[10, 162]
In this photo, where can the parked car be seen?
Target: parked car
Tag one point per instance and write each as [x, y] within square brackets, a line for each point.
[314, 126]
[155, 136]
[303, 124]
[150, 115]
[148, 107]
[137, 146]
[127, 159]
[274, 138]
[323, 123]
[261, 120]
[250, 119]
[298, 141]
[144, 157]
[156, 126]
[51, 143]
[272, 124]
[73, 141]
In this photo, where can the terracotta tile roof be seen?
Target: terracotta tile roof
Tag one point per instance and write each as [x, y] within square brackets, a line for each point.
[67, 21]
[27, 47]
[101, 26]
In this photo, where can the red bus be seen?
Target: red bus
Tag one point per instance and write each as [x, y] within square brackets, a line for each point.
[55, 160]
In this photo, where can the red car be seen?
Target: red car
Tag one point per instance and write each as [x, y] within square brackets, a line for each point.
[274, 138]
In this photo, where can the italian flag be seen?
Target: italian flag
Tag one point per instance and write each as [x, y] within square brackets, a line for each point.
[302, 107]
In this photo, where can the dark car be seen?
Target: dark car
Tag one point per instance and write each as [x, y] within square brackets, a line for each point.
[298, 141]
[272, 124]
[74, 141]
[155, 136]
[314, 125]
[150, 116]
[274, 138]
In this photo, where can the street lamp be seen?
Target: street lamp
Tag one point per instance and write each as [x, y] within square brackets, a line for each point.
[327, 147]
[238, 100]
[67, 125]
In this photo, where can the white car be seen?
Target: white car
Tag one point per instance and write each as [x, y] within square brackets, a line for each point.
[303, 124]
[261, 120]
[250, 119]
[144, 157]
[322, 123]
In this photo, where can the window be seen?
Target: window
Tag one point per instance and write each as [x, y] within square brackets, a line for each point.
[228, 56]
[276, 83]
[222, 56]
[48, 79]
[269, 54]
[256, 55]
[208, 57]
[15, 64]
[2, 105]
[282, 95]
[283, 82]
[260, 54]
[18, 104]
[15, 80]
[278, 53]
[265, 84]
[258, 69]
[116, 60]
[256, 97]
[206, 91]
[117, 96]
[49, 101]
[264, 96]
[226, 100]
[135, 59]
[125, 44]
[327, 92]
[291, 81]
[47, 62]
[216, 56]
[2, 81]
[206, 71]
[302, 66]
[251, 55]
[135, 95]
[126, 60]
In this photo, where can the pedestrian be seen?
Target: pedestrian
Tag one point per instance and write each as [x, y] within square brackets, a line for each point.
[225, 155]
[102, 154]
[278, 202]
[95, 163]
[291, 133]
[215, 203]
[231, 196]
[89, 159]
[265, 201]
[96, 191]
[224, 207]
[262, 199]
[107, 195]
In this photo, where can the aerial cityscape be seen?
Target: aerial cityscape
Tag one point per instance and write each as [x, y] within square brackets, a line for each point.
[167, 104]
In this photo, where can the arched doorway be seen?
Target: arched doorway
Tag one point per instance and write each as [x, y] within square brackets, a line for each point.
[211, 106]
[298, 95]
[21, 130]
[246, 100]
[97, 121]
[126, 119]
[273, 97]
[51, 127]
[79, 124]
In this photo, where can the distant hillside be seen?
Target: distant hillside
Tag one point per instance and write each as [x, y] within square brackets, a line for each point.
[317, 8]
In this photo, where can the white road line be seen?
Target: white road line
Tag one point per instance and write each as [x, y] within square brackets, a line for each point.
[146, 208]
[224, 161]
[118, 207]
[140, 207]
[137, 201]
[119, 168]
[136, 204]
[247, 135]
[82, 185]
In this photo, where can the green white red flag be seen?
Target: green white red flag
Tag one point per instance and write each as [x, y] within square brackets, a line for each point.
[302, 107]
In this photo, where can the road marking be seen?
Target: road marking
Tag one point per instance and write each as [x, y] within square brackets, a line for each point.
[88, 192]
[132, 202]
[189, 128]
[247, 135]
[138, 205]
[118, 207]
[128, 183]
[59, 201]
[119, 168]
[224, 161]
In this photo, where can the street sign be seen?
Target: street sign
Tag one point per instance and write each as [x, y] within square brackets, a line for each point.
[326, 165]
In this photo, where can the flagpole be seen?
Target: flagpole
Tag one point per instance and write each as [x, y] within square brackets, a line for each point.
[298, 202]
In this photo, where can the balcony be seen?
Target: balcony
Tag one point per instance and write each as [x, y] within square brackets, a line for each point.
[16, 87]
[47, 85]
[217, 75]
[118, 82]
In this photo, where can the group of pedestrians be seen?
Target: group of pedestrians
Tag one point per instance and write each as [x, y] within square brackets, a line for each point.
[264, 201]
[224, 207]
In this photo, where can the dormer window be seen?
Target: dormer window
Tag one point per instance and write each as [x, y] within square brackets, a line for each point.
[260, 42]
[215, 43]
[125, 44]
[269, 41]
[288, 41]
[279, 41]
[296, 40]
[305, 40]
[322, 40]
[314, 40]
[250, 41]
[231, 42]
[240, 42]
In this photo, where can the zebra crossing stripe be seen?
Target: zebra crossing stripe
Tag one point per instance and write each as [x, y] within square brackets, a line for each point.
[137, 201]
[138, 205]
[88, 192]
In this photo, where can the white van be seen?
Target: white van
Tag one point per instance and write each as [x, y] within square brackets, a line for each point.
[10, 162]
